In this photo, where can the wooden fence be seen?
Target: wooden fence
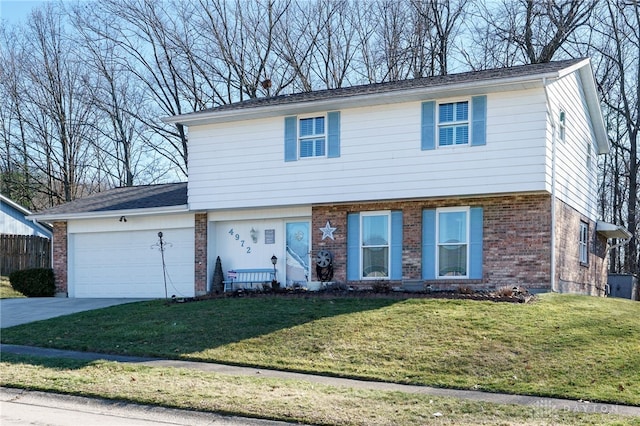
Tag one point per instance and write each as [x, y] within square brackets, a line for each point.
[23, 252]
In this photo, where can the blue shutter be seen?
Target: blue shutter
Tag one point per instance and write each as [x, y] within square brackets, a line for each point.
[479, 120]
[475, 242]
[428, 140]
[333, 134]
[428, 244]
[353, 246]
[290, 139]
[396, 245]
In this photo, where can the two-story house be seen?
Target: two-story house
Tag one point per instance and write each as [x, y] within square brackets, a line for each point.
[482, 179]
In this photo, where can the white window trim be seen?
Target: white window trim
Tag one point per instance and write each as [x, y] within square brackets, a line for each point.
[467, 211]
[562, 125]
[583, 244]
[375, 213]
[453, 123]
[301, 138]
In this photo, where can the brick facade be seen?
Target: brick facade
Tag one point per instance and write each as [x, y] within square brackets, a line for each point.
[571, 275]
[200, 273]
[516, 240]
[60, 257]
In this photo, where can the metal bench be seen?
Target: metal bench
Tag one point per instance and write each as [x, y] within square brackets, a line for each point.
[246, 278]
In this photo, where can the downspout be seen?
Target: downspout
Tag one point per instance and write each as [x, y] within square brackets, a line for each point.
[554, 285]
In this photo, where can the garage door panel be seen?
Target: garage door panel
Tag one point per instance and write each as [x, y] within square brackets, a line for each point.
[129, 264]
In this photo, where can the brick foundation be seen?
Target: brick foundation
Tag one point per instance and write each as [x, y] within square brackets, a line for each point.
[60, 257]
[200, 273]
[516, 239]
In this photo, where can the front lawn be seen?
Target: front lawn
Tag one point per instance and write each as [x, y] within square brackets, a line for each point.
[566, 346]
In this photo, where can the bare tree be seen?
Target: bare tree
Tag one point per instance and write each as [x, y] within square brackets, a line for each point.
[527, 31]
[15, 177]
[144, 32]
[119, 140]
[619, 86]
[438, 25]
[49, 109]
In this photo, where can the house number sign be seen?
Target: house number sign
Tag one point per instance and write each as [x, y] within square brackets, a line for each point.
[240, 240]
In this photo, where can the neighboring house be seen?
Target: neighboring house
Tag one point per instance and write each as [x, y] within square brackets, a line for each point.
[24, 243]
[482, 179]
[14, 221]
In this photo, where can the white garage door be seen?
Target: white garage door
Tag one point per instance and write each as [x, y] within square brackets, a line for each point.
[129, 264]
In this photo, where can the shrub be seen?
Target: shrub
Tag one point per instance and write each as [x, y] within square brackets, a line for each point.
[381, 286]
[465, 289]
[505, 291]
[37, 282]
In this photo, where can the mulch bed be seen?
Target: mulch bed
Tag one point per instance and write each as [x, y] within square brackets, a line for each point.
[520, 296]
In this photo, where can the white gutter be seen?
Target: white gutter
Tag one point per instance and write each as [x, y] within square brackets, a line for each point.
[553, 187]
[56, 217]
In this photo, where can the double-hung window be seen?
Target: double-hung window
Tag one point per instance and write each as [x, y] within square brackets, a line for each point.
[374, 242]
[311, 137]
[448, 124]
[374, 245]
[452, 242]
[583, 245]
[453, 123]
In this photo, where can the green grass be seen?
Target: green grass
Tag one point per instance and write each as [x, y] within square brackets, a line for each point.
[6, 291]
[290, 400]
[565, 346]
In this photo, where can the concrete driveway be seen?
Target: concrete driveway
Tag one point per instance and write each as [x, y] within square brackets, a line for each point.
[25, 310]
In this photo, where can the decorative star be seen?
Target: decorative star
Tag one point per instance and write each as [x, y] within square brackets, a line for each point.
[327, 231]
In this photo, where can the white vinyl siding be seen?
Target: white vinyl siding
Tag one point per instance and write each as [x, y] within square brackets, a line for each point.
[240, 165]
[576, 169]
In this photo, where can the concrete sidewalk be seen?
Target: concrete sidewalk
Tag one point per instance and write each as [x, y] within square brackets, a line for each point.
[532, 401]
[29, 309]
[21, 407]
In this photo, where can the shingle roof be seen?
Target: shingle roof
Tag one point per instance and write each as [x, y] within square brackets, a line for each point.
[378, 88]
[125, 198]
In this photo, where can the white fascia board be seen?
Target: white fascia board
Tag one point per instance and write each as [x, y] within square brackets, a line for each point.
[110, 213]
[610, 230]
[407, 95]
[593, 105]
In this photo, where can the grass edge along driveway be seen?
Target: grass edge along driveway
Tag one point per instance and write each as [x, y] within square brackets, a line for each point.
[566, 346]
